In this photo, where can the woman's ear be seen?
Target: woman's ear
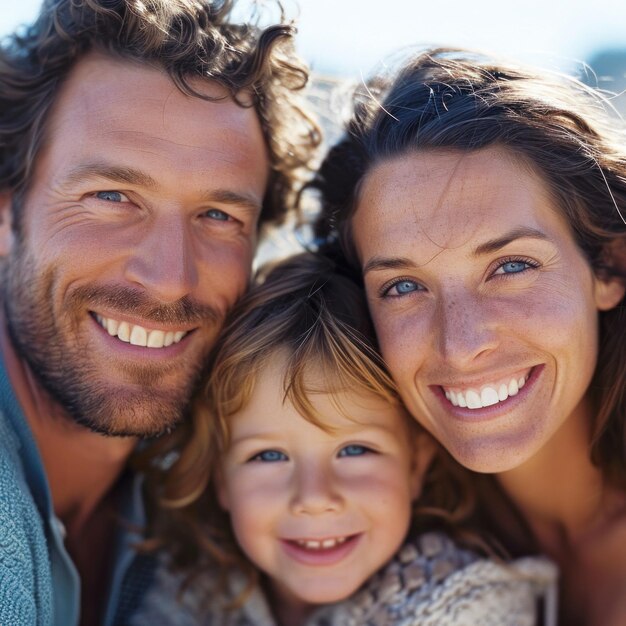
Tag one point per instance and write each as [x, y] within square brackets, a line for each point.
[424, 449]
[610, 289]
[6, 232]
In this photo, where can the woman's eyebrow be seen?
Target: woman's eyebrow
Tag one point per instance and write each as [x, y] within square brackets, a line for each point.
[521, 232]
[386, 263]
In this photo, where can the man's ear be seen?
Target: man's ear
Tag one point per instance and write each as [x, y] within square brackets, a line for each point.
[424, 449]
[6, 231]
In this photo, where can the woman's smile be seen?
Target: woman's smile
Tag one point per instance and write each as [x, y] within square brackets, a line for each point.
[484, 306]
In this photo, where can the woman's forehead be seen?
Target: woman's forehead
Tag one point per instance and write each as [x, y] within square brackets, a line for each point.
[445, 199]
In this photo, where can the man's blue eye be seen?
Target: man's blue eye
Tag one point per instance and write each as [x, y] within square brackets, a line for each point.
[270, 456]
[216, 214]
[111, 196]
[353, 450]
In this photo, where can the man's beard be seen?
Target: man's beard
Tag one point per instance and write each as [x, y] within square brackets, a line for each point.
[147, 403]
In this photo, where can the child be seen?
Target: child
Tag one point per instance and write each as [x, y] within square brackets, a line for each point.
[292, 499]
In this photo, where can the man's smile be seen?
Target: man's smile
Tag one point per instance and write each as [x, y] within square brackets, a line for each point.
[138, 335]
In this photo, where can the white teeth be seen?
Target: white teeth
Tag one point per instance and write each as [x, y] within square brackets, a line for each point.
[488, 395]
[123, 332]
[325, 544]
[156, 339]
[503, 392]
[138, 335]
[473, 399]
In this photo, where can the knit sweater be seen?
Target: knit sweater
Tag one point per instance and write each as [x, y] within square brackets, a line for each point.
[430, 582]
[25, 568]
[39, 584]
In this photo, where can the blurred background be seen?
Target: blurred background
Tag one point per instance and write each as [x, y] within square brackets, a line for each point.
[345, 41]
[351, 38]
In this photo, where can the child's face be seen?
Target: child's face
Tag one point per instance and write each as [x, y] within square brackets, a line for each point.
[319, 512]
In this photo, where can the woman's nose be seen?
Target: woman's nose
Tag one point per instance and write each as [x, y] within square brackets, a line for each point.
[466, 330]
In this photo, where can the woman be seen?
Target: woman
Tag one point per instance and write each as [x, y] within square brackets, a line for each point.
[484, 205]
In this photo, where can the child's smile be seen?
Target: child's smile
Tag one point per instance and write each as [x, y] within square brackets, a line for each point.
[318, 509]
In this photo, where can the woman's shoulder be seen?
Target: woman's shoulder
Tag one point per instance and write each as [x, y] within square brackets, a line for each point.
[433, 581]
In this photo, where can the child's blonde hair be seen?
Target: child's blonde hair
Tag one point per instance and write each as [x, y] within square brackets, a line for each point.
[316, 318]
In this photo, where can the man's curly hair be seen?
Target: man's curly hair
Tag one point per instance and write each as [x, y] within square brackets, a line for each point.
[188, 39]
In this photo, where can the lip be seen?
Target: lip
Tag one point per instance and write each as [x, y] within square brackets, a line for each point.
[321, 558]
[495, 410]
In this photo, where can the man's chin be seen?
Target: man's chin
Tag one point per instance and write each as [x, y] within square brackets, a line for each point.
[127, 415]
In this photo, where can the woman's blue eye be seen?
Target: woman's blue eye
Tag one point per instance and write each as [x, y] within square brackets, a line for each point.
[353, 450]
[216, 214]
[270, 456]
[111, 196]
[512, 267]
[403, 287]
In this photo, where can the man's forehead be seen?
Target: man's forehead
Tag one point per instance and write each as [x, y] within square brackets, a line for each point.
[106, 88]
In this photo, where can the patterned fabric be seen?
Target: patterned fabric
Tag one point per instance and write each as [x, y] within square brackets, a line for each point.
[430, 582]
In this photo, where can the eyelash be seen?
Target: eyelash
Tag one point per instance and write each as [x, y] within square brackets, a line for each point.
[387, 287]
[532, 264]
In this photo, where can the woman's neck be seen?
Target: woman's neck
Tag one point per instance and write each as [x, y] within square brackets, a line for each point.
[560, 492]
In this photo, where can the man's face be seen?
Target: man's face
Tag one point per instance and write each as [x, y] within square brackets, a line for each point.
[137, 236]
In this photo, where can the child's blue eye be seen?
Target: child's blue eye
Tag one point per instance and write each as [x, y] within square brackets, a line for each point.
[270, 456]
[354, 450]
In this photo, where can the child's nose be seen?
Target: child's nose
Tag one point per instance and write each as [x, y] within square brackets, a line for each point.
[315, 491]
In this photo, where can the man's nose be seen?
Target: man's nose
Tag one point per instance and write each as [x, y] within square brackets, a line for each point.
[163, 261]
[315, 490]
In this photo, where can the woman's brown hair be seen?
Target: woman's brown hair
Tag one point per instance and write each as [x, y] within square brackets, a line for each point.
[457, 100]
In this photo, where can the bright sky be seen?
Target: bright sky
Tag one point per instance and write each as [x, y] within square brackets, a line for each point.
[351, 37]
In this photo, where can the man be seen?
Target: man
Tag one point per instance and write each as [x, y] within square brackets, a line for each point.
[142, 144]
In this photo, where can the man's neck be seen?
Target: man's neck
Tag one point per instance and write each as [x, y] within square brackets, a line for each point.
[81, 466]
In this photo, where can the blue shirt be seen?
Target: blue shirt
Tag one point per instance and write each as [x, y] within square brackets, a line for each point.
[39, 584]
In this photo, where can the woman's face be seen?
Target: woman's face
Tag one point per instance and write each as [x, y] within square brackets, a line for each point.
[486, 310]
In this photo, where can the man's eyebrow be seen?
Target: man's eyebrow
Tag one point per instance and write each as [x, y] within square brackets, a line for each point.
[132, 176]
[233, 198]
[521, 232]
[113, 173]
